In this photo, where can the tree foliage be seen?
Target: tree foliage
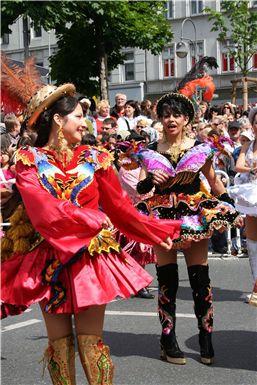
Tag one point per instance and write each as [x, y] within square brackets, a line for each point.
[237, 22]
[91, 33]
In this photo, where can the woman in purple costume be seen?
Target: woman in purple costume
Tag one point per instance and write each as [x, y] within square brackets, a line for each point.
[174, 170]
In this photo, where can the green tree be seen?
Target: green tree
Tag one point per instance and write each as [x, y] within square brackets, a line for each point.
[92, 34]
[238, 23]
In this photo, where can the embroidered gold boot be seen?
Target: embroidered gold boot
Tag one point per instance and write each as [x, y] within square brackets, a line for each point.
[60, 356]
[96, 360]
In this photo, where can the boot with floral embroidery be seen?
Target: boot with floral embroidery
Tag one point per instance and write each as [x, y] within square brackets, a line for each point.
[60, 356]
[202, 295]
[96, 360]
[168, 285]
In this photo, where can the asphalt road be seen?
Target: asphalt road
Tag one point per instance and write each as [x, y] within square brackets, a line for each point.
[132, 331]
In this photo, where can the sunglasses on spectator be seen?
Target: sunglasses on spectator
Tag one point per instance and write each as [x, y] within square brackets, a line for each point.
[140, 126]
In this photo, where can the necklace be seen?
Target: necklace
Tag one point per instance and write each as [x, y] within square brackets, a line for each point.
[175, 150]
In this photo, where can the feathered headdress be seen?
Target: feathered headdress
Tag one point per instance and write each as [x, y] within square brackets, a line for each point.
[189, 87]
[23, 91]
[18, 84]
[128, 156]
[197, 80]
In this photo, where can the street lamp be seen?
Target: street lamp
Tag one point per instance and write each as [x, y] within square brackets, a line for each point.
[49, 54]
[182, 47]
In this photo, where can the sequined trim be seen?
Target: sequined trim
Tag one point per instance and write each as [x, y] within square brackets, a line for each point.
[103, 242]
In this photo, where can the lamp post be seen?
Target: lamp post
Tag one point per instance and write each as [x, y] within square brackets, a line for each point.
[26, 36]
[49, 54]
[182, 48]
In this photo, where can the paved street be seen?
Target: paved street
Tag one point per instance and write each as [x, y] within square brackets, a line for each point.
[132, 331]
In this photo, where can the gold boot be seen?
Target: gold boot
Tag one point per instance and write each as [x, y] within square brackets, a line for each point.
[60, 356]
[96, 360]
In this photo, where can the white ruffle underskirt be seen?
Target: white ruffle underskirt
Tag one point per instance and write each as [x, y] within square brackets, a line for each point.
[245, 196]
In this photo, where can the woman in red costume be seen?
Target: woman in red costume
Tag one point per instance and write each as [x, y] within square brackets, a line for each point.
[61, 253]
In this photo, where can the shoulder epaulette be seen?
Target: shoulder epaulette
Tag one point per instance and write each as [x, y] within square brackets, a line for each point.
[98, 155]
[104, 157]
[25, 155]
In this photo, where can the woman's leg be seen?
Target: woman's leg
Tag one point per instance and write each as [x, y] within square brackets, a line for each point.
[198, 272]
[167, 275]
[60, 353]
[251, 239]
[94, 355]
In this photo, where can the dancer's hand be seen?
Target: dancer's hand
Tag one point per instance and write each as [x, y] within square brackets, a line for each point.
[167, 244]
[240, 221]
[107, 224]
[222, 229]
[160, 177]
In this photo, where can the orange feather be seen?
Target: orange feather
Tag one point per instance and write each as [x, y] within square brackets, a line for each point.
[18, 84]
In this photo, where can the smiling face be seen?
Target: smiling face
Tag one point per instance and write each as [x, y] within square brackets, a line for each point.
[129, 111]
[73, 126]
[120, 101]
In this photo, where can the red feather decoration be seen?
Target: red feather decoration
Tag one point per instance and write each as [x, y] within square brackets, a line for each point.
[205, 83]
[18, 84]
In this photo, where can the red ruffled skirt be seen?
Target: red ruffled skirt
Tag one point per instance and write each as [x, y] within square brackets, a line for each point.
[142, 253]
[88, 281]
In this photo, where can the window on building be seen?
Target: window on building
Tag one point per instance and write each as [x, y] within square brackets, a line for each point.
[254, 3]
[196, 56]
[227, 59]
[129, 66]
[5, 38]
[36, 32]
[196, 6]
[254, 61]
[168, 60]
[170, 10]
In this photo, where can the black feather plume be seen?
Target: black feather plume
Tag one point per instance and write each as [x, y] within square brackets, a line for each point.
[199, 70]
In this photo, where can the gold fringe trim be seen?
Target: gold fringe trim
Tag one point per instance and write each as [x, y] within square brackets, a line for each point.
[21, 236]
[104, 241]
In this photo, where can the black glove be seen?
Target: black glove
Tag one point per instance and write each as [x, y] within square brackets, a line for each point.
[226, 198]
[146, 185]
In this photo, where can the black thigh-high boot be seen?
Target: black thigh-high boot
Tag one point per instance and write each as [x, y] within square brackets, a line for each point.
[202, 295]
[168, 285]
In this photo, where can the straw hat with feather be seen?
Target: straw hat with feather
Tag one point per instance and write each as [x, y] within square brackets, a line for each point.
[44, 98]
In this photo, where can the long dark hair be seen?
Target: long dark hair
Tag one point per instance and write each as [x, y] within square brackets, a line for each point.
[64, 106]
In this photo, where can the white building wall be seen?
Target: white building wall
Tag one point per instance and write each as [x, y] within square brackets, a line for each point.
[156, 84]
[149, 81]
[40, 47]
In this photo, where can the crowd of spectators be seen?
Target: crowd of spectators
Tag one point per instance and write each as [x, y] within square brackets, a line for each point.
[106, 126]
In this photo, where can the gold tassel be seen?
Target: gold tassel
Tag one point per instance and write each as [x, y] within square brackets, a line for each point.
[21, 236]
[6, 244]
[18, 214]
[21, 246]
[22, 230]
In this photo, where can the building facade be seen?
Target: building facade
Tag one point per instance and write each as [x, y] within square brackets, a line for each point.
[144, 75]
[41, 44]
[149, 76]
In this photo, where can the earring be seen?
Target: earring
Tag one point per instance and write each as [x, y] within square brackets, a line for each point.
[60, 137]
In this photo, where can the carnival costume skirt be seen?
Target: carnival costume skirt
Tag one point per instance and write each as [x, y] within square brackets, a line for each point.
[200, 213]
[86, 280]
[142, 253]
[245, 196]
